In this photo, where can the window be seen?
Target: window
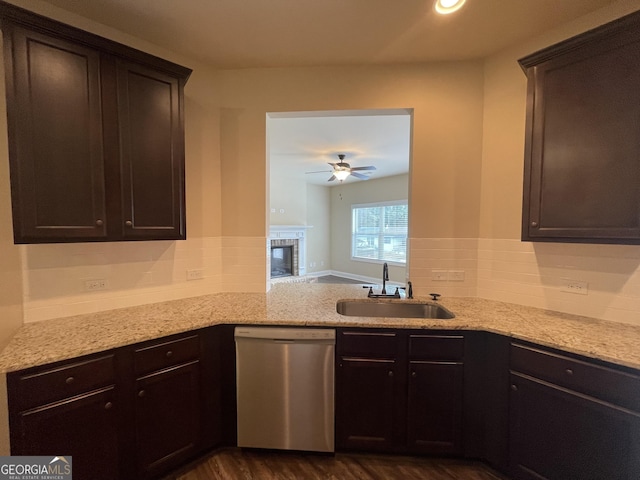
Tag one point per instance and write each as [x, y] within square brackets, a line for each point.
[379, 231]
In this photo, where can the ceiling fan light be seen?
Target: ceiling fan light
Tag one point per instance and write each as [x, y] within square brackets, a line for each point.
[445, 7]
[341, 174]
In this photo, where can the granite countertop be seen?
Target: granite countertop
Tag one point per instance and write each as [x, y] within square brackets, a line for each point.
[310, 304]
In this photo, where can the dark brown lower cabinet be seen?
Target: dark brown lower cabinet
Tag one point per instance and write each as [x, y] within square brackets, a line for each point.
[399, 391]
[435, 407]
[132, 413]
[533, 412]
[167, 412]
[83, 427]
[558, 434]
[367, 411]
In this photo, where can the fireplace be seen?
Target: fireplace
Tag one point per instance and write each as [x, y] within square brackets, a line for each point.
[292, 236]
[282, 261]
[284, 258]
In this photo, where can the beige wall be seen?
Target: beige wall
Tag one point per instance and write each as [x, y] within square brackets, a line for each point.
[137, 272]
[534, 273]
[10, 265]
[504, 123]
[446, 99]
[319, 236]
[342, 198]
[465, 189]
[287, 200]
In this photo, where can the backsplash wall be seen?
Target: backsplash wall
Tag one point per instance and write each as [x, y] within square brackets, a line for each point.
[534, 274]
[54, 275]
[507, 270]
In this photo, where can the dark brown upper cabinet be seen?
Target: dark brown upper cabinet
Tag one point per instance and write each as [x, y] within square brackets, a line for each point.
[96, 135]
[582, 147]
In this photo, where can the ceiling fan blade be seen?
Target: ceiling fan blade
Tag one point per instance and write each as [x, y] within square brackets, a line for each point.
[333, 177]
[368, 167]
[359, 175]
[319, 171]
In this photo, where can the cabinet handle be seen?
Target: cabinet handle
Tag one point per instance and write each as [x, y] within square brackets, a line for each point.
[141, 393]
[128, 223]
[514, 387]
[169, 354]
[414, 374]
[108, 406]
[99, 223]
[569, 371]
[534, 224]
[391, 373]
[69, 380]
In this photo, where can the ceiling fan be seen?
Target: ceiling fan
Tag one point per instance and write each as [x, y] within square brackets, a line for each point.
[341, 170]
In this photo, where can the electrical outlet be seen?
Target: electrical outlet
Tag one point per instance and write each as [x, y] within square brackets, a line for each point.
[574, 286]
[456, 275]
[195, 274]
[438, 275]
[96, 284]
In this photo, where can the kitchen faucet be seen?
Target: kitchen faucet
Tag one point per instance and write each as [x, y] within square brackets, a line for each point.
[385, 278]
[383, 293]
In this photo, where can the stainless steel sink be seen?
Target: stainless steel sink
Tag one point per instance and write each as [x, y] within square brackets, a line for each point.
[400, 309]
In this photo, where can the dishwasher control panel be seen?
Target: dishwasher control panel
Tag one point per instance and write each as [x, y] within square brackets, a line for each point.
[279, 333]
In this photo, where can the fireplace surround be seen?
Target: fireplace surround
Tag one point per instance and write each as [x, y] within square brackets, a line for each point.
[293, 236]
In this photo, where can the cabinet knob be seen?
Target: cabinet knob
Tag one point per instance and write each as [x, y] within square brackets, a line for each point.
[391, 373]
[141, 393]
[514, 387]
[108, 406]
[534, 224]
[569, 371]
[169, 354]
[128, 223]
[69, 380]
[414, 374]
[99, 223]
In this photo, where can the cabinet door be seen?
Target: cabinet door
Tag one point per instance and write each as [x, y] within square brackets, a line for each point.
[367, 404]
[557, 434]
[83, 427]
[167, 418]
[55, 138]
[581, 163]
[435, 407]
[151, 153]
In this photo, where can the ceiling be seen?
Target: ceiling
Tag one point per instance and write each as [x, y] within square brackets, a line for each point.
[291, 33]
[280, 33]
[307, 142]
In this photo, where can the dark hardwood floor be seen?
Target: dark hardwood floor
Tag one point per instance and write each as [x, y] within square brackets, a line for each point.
[336, 279]
[237, 464]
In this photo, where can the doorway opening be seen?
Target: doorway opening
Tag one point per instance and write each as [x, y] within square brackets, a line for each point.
[306, 150]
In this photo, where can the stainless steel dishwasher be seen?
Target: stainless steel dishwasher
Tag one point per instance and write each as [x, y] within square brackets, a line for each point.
[285, 384]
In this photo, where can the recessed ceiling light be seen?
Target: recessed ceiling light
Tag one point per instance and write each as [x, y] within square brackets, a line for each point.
[445, 7]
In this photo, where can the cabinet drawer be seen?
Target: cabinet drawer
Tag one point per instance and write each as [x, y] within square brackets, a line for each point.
[604, 383]
[166, 354]
[368, 343]
[42, 386]
[436, 347]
